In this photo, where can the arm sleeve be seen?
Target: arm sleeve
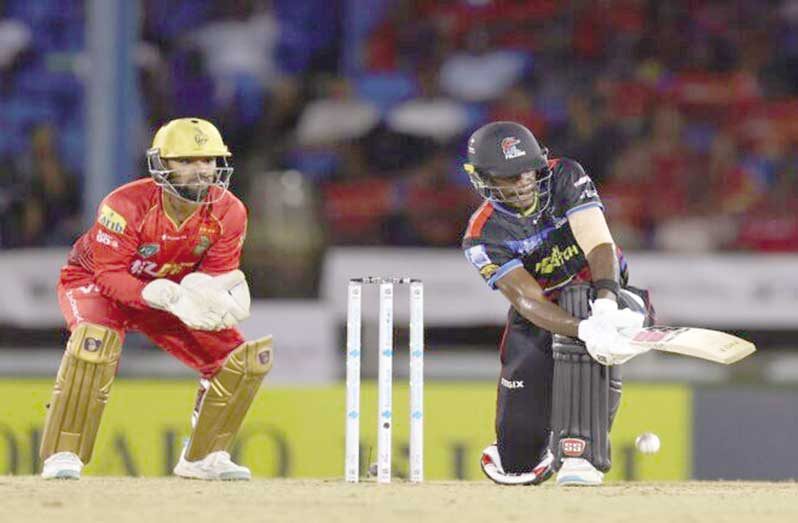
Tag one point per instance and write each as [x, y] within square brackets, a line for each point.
[493, 260]
[225, 255]
[576, 190]
[113, 244]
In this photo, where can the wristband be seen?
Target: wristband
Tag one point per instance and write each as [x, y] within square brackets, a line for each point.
[609, 285]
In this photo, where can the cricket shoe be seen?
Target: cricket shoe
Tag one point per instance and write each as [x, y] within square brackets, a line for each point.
[215, 466]
[62, 465]
[491, 464]
[578, 472]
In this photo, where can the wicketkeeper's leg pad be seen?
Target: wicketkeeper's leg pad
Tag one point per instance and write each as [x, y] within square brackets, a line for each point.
[82, 386]
[228, 397]
[585, 395]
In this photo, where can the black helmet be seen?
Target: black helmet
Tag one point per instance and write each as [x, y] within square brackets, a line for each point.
[504, 150]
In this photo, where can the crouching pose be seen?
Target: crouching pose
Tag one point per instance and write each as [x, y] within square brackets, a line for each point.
[161, 258]
[541, 239]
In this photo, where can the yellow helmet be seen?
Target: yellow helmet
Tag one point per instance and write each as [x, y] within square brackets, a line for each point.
[190, 138]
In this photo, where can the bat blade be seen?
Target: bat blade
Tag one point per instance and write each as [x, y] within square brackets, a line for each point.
[706, 344]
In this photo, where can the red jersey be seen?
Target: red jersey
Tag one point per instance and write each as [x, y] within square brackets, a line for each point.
[133, 241]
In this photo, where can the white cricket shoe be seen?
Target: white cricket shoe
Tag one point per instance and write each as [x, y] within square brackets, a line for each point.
[491, 464]
[215, 466]
[578, 472]
[62, 465]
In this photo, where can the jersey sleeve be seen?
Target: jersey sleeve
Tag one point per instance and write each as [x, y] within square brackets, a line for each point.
[574, 190]
[114, 239]
[225, 254]
[492, 259]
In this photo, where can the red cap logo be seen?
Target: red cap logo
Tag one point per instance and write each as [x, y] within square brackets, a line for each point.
[510, 148]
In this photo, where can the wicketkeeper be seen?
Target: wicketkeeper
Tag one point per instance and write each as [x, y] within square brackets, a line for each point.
[541, 238]
[161, 258]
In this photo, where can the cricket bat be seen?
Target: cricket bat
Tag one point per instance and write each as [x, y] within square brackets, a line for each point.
[706, 344]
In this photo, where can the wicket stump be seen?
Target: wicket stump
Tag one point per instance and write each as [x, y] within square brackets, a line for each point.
[385, 377]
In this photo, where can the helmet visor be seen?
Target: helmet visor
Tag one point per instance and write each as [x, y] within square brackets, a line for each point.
[194, 187]
[522, 191]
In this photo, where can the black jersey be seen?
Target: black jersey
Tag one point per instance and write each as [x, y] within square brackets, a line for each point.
[499, 240]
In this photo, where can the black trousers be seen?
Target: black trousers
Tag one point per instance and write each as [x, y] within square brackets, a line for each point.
[523, 405]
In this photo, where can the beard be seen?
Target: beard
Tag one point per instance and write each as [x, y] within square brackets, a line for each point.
[193, 192]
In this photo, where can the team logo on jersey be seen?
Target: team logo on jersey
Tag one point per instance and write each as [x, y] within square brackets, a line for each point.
[202, 245]
[510, 148]
[148, 249]
[111, 220]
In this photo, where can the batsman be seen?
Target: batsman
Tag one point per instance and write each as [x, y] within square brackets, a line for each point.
[540, 237]
[161, 258]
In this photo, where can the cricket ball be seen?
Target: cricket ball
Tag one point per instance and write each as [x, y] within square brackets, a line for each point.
[647, 443]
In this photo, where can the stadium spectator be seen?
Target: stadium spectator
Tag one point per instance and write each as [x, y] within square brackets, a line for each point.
[696, 101]
[46, 208]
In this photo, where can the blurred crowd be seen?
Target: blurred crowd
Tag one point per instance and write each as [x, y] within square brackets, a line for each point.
[348, 118]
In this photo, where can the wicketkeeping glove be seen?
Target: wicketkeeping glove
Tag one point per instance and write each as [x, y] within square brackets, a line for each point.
[227, 293]
[187, 304]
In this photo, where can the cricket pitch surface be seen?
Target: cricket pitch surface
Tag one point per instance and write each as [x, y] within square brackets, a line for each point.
[25, 499]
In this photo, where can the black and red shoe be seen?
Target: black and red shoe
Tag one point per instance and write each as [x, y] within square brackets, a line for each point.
[491, 465]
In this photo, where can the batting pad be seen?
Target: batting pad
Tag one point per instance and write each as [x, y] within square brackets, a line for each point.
[229, 395]
[81, 391]
[585, 394]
